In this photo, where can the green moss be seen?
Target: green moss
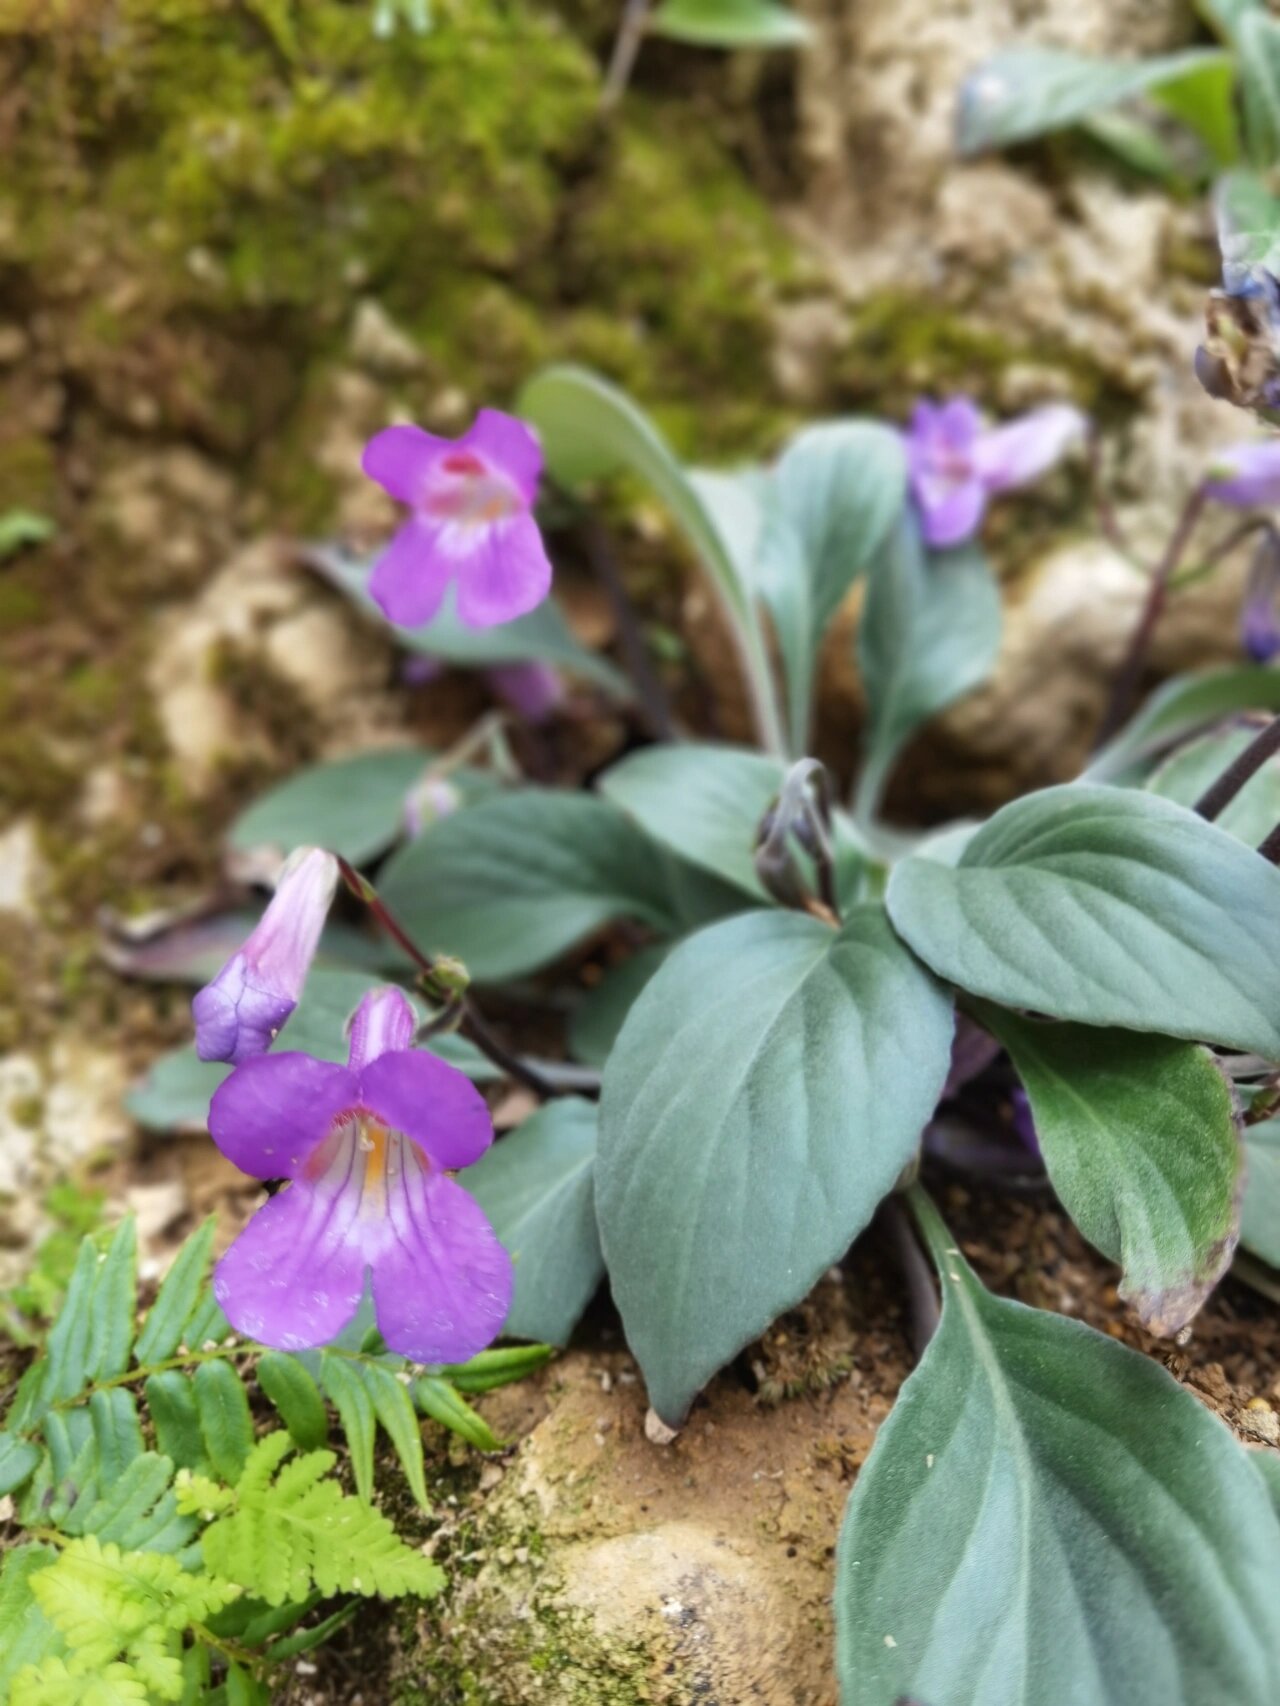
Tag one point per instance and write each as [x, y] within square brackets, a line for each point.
[900, 345]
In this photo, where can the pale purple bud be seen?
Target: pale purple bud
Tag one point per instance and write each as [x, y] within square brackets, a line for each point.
[428, 801]
[242, 1011]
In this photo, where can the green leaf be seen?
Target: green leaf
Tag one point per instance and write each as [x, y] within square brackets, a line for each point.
[600, 1015]
[225, 1421]
[702, 801]
[832, 498]
[493, 1368]
[116, 1431]
[1047, 1516]
[438, 1399]
[1226, 16]
[352, 806]
[115, 1301]
[543, 636]
[591, 430]
[244, 1689]
[1248, 217]
[1141, 1139]
[1260, 1218]
[71, 1346]
[1184, 776]
[764, 1095]
[514, 882]
[1259, 69]
[1031, 91]
[297, 1397]
[22, 527]
[171, 1403]
[929, 633]
[730, 23]
[1205, 102]
[394, 1410]
[536, 1186]
[18, 1457]
[177, 1297]
[1180, 708]
[1108, 906]
[341, 1380]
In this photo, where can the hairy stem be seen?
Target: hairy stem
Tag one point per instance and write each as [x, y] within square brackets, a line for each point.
[472, 1023]
[1124, 689]
[1220, 794]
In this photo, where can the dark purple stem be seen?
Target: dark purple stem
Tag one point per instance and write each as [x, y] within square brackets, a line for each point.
[473, 1024]
[1220, 794]
[926, 1311]
[1127, 679]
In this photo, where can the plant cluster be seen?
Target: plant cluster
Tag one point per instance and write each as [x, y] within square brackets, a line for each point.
[792, 990]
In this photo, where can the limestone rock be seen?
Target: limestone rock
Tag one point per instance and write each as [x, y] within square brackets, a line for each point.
[616, 1570]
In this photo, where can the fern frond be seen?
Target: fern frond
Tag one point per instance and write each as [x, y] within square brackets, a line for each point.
[26, 1635]
[300, 1530]
[180, 1292]
[55, 1683]
[225, 1421]
[107, 1602]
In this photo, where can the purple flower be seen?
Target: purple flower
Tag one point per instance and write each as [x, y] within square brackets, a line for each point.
[1246, 476]
[955, 465]
[472, 499]
[368, 1148]
[241, 1012]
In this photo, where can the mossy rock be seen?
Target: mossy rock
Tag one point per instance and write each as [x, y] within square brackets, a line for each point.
[202, 192]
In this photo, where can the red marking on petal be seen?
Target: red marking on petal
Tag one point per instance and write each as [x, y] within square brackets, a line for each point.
[462, 462]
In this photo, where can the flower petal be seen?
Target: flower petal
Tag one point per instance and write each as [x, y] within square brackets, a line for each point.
[400, 459]
[506, 575]
[1023, 449]
[236, 1016]
[949, 427]
[534, 691]
[508, 445]
[271, 1112]
[1247, 475]
[431, 1102]
[295, 1275]
[240, 1013]
[410, 577]
[383, 1023]
[441, 1282]
[950, 510]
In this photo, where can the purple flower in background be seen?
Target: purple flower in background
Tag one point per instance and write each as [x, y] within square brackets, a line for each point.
[1024, 1124]
[955, 465]
[534, 691]
[241, 1012]
[1260, 612]
[368, 1148]
[472, 500]
[1246, 476]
